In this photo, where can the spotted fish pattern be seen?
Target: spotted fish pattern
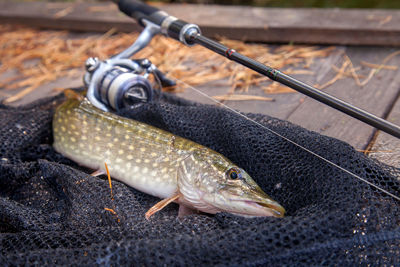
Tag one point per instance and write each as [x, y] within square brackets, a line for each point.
[156, 162]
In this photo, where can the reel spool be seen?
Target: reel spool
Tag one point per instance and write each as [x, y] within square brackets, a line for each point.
[120, 88]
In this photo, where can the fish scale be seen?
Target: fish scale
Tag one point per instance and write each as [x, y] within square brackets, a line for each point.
[137, 154]
[157, 162]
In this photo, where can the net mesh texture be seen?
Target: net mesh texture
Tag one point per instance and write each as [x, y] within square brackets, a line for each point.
[53, 212]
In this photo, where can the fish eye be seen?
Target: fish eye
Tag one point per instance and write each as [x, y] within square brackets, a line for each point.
[234, 174]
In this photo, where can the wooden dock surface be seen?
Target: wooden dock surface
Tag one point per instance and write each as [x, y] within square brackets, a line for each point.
[379, 96]
[277, 25]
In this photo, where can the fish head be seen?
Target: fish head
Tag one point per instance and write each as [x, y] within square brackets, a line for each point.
[211, 183]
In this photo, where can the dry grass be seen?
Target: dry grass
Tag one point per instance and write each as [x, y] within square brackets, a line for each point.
[40, 57]
[347, 69]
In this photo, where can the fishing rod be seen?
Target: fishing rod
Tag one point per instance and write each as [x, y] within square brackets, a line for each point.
[121, 82]
[156, 21]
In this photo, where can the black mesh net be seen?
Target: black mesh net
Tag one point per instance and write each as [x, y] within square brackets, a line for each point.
[53, 212]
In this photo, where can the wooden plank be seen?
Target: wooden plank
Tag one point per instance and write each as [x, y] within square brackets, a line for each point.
[47, 90]
[311, 26]
[386, 148]
[285, 104]
[377, 97]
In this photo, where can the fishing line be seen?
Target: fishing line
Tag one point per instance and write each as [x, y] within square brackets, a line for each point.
[288, 140]
[156, 22]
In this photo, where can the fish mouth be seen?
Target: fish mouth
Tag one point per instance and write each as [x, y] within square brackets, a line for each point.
[251, 203]
[274, 209]
[260, 209]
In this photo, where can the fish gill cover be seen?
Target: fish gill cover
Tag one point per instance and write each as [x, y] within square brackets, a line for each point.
[52, 212]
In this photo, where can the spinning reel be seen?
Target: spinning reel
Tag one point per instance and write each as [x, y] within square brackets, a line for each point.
[121, 82]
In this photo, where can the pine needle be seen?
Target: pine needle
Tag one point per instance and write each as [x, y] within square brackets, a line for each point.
[109, 180]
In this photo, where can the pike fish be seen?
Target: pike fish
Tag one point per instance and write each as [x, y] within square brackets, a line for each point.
[157, 162]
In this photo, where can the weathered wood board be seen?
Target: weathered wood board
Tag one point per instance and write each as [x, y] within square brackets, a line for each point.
[285, 104]
[386, 148]
[376, 97]
[311, 26]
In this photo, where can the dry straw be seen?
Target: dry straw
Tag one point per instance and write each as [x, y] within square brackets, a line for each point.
[37, 57]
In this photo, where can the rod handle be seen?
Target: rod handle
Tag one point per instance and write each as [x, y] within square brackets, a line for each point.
[170, 26]
[139, 11]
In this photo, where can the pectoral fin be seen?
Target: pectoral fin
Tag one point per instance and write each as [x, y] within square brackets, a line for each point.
[160, 205]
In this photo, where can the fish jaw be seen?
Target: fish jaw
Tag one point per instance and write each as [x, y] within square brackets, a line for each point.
[251, 203]
[251, 208]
